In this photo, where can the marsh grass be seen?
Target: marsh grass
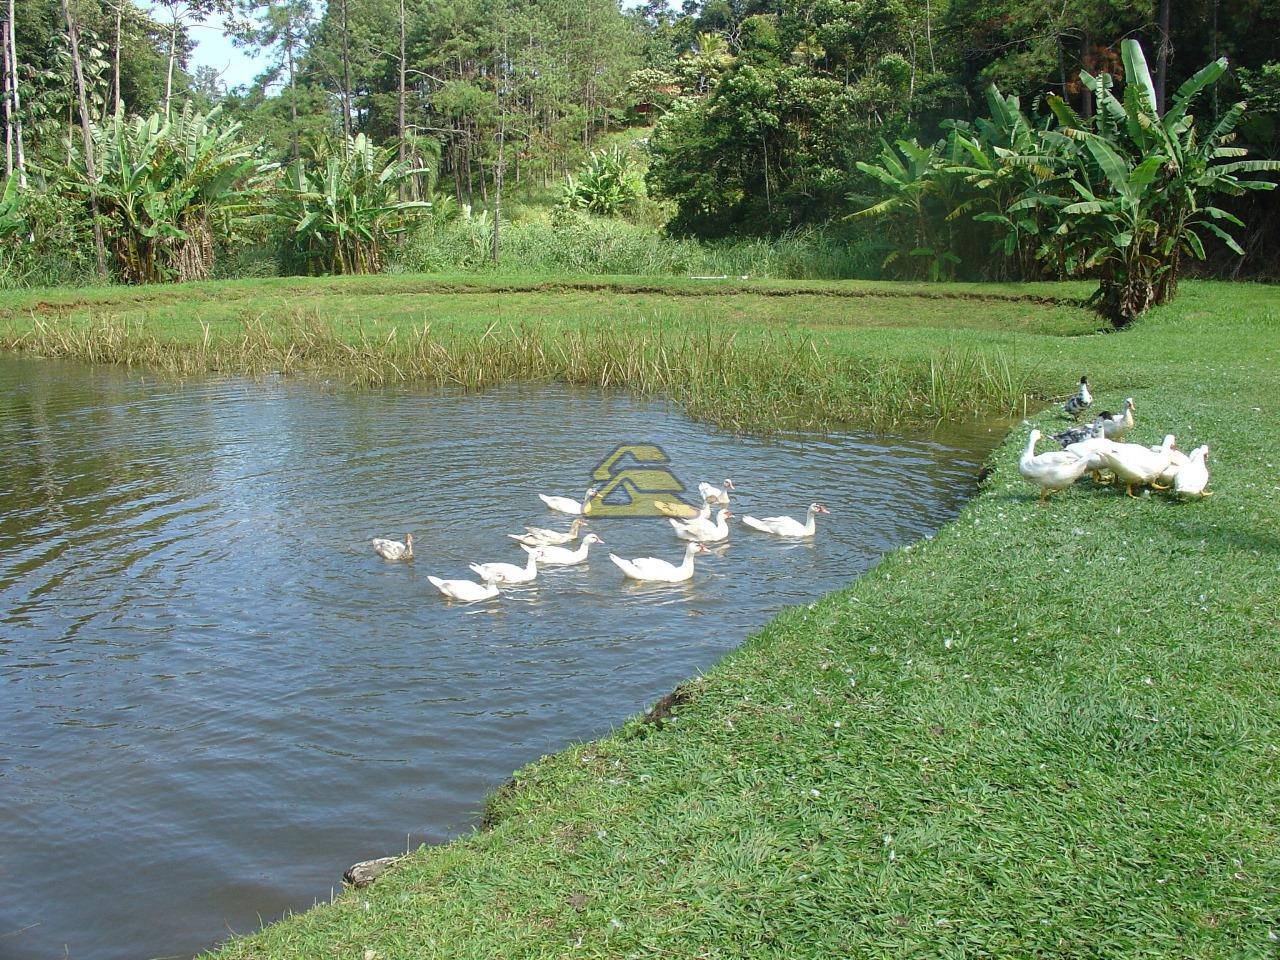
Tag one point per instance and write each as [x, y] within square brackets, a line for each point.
[758, 381]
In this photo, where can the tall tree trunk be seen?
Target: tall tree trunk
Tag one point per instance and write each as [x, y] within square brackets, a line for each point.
[502, 138]
[7, 105]
[116, 107]
[346, 73]
[928, 35]
[173, 56]
[1086, 98]
[1164, 51]
[14, 106]
[293, 92]
[400, 92]
[1213, 41]
[86, 133]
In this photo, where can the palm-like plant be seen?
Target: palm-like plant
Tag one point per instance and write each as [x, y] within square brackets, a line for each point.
[609, 183]
[340, 209]
[1000, 159]
[11, 219]
[168, 188]
[1136, 185]
[915, 208]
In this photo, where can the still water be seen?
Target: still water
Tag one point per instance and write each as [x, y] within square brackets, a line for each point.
[214, 697]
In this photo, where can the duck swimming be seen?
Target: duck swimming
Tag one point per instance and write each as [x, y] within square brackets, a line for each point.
[394, 549]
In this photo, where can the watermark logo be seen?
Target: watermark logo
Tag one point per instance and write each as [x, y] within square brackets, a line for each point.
[635, 480]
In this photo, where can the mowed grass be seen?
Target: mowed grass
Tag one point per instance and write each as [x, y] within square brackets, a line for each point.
[1050, 731]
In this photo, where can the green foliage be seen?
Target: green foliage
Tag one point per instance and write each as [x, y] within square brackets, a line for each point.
[1136, 185]
[579, 243]
[338, 210]
[1119, 196]
[169, 190]
[608, 183]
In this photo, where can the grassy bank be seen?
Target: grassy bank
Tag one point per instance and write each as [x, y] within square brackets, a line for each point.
[743, 355]
[1048, 731]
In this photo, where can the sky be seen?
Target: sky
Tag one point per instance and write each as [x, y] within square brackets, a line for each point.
[214, 49]
[238, 67]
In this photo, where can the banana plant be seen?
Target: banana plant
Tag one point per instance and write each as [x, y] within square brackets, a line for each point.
[915, 208]
[1140, 184]
[12, 222]
[340, 207]
[609, 183]
[171, 190]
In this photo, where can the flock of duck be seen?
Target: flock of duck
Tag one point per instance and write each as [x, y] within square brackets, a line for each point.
[1096, 448]
[546, 547]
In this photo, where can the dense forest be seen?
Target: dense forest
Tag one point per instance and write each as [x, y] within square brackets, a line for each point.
[851, 121]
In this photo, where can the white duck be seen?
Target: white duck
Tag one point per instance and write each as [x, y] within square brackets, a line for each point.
[1091, 450]
[568, 505]
[394, 549]
[562, 556]
[1116, 425]
[544, 537]
[1051, 471]
[468, 591]
[1177, 460]
[787, 526]
[1136, 465]
[712, 494]
[506, 572]
[1194, 476]
[702, 529]
[651, 569]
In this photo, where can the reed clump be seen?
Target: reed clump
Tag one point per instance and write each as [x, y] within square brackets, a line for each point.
[748, 383]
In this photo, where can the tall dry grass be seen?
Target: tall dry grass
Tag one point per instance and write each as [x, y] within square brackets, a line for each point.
[754, 383]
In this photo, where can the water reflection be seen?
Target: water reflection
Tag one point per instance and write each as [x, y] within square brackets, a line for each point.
[213, 696]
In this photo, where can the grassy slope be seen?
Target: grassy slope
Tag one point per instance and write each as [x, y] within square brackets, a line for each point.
[1049, 731]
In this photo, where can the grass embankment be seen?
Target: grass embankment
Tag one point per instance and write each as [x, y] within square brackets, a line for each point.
[743, 355]
[1048, 731]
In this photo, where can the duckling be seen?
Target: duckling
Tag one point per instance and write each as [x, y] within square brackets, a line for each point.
[1051, 471]
[1116, 425]
[1080, 402]
[1194, 476]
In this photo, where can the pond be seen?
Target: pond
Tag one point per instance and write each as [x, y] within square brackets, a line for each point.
[214, 697]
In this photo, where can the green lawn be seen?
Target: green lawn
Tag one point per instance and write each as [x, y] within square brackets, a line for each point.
[1050, 731]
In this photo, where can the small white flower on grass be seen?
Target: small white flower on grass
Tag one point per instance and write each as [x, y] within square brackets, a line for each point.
[815, 793]
[601, 834]
[615, 923]
[888, 839]
[1148, 681]
[892, 855]
[836, 724]
[946, 643]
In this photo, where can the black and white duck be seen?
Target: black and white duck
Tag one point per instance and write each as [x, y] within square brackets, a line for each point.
[1081, 401]
[1086, 431]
